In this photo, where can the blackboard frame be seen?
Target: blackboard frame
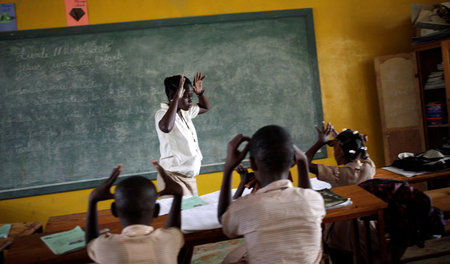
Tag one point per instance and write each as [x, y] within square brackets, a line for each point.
[172, 22]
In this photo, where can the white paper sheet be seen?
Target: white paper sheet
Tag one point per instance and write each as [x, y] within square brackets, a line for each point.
[205, 217]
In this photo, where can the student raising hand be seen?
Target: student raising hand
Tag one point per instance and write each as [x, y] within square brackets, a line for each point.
[171, 188]
[198, 83]
[234, 156]
[325, 132]
[180, 91]
[103, 191]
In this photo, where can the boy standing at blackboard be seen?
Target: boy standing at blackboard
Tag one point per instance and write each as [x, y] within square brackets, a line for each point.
[178, 144]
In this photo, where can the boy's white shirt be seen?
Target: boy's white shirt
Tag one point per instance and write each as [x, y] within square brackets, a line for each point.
[280, 223]
[179, 148]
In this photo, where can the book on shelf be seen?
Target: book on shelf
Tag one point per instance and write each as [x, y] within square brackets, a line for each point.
[333, 200]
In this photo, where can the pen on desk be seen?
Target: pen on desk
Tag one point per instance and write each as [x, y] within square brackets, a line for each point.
[103, 230]
[76, 241]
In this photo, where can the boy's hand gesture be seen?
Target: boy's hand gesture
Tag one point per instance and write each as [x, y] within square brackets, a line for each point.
[180, 91]
[172, 187]
[324, 133]
[198, 83]
[234, 156]
[247, 178]
[103, 192]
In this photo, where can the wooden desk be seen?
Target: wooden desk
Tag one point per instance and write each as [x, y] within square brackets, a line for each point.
[17, 230]
[20, 229]
[440, 198]
[32, 250]
[385, 174]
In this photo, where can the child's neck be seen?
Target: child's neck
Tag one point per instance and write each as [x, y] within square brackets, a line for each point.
[265, 177]
[141, 221]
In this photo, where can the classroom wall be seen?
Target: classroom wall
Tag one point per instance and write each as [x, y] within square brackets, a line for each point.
[349, 34]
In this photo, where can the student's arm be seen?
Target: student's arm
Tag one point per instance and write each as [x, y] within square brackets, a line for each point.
[234, 158]
[101, 193]
[167, 122]
[302, 167]
[172, 188]
[203, 102]
[246, 178]
[322, 139]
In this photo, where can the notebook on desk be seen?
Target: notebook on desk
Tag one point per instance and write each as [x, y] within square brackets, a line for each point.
[65, 242]
[333, 200]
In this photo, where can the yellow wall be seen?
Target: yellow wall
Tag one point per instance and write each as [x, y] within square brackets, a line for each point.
[349, 34]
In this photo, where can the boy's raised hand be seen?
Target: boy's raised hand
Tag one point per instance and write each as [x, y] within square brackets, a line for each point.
[198, 82]
[172, 187]
[234, 156]
[103, 191]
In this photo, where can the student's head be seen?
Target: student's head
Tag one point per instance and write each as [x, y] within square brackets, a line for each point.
[271, 151]
[171, 85]
[349, 146]
[134, 200]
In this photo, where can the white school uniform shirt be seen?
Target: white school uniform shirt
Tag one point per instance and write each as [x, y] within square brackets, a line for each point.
[179, 148]
[137, 244]
[280, 224]
[353, 172]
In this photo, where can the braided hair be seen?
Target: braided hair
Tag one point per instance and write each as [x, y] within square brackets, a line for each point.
[352, 143]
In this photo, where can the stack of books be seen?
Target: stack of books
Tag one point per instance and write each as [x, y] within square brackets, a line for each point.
[435, 80]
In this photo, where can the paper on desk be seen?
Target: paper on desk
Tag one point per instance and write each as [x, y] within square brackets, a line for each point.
[348, 202]
[317, 184]
[65, 242]
[404, 172]
[192, 202]
[205, 217]
[201, 217]
[4, 230]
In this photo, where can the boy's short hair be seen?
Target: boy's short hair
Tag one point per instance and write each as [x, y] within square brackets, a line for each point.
[272, 146]
[352, 144]
[171, 85]
[135, 196]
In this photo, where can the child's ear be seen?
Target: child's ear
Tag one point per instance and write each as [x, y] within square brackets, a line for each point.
[156, 210]
[253, 164]
[114, 209]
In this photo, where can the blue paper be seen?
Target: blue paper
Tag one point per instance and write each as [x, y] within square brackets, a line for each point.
[8, 21]
[4, 230]
[192, 202]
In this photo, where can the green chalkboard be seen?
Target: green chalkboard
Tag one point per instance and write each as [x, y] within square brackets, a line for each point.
[77, 101]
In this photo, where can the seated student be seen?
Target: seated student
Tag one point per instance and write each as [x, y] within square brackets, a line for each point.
[134, 204]
[280, 223]
[349, 150]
